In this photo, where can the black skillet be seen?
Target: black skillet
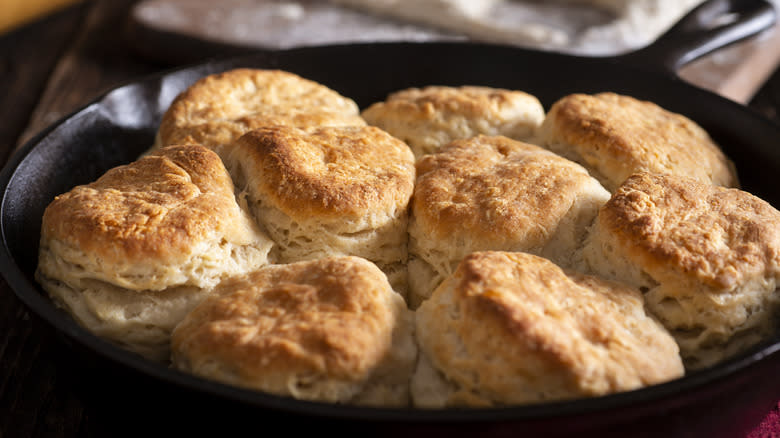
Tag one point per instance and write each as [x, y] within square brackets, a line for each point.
[723, 400]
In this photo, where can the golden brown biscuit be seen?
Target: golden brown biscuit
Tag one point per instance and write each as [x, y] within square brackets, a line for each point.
[329, 191]
[129, 254]
[328, 330]
[428, 118]
[499, 194]
[707, 257]
[219, 108]
[614, 136]
[513, 328]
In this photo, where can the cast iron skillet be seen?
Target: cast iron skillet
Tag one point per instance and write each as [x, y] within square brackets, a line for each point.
[720, 401]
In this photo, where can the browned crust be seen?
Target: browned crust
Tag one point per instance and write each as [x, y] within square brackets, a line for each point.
[492, 187]
[522, 316]
[218, 108]
[468, 100]
[330, 171]
[714, 235]
[328, 317]
[618, 135]
[158, 207]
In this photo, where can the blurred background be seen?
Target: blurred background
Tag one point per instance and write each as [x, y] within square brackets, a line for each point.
[158, 29]
[16, 13]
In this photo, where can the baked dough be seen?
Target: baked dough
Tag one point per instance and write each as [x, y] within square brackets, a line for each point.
[707, 257]
[510, 328]
[219, 108]
[329, 191]
[613, 136]
[329, 330]
[129, 254]
[430, 117]
[492, 192]
[296, 220]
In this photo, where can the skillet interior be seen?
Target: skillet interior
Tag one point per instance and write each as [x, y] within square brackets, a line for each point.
[120, 125]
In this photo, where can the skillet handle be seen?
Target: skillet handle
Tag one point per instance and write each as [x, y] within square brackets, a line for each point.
[710, 26]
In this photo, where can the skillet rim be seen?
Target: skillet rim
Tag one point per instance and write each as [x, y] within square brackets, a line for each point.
[35, 299]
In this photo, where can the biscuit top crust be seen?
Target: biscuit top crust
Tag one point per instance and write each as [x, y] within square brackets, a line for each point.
[526, 327]
[494, 189]
[161, 207]
[249, 99]
[331, 171]
[468, 100]
[677, 226]
[619, 135]
[328, 316]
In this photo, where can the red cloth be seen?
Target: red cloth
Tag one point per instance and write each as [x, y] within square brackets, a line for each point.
[769, 427]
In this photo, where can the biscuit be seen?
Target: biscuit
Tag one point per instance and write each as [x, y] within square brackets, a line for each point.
[510, 328]
[329, 330]
[129, 254]
[428, 118]
[707, 258]
[614, 136]
[494, 193]
[329, 191]
[219, 108]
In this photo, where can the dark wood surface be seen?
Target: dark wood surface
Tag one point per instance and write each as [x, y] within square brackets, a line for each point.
[47, 70]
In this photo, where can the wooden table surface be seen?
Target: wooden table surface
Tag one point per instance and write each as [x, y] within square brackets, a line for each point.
[48, 69]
